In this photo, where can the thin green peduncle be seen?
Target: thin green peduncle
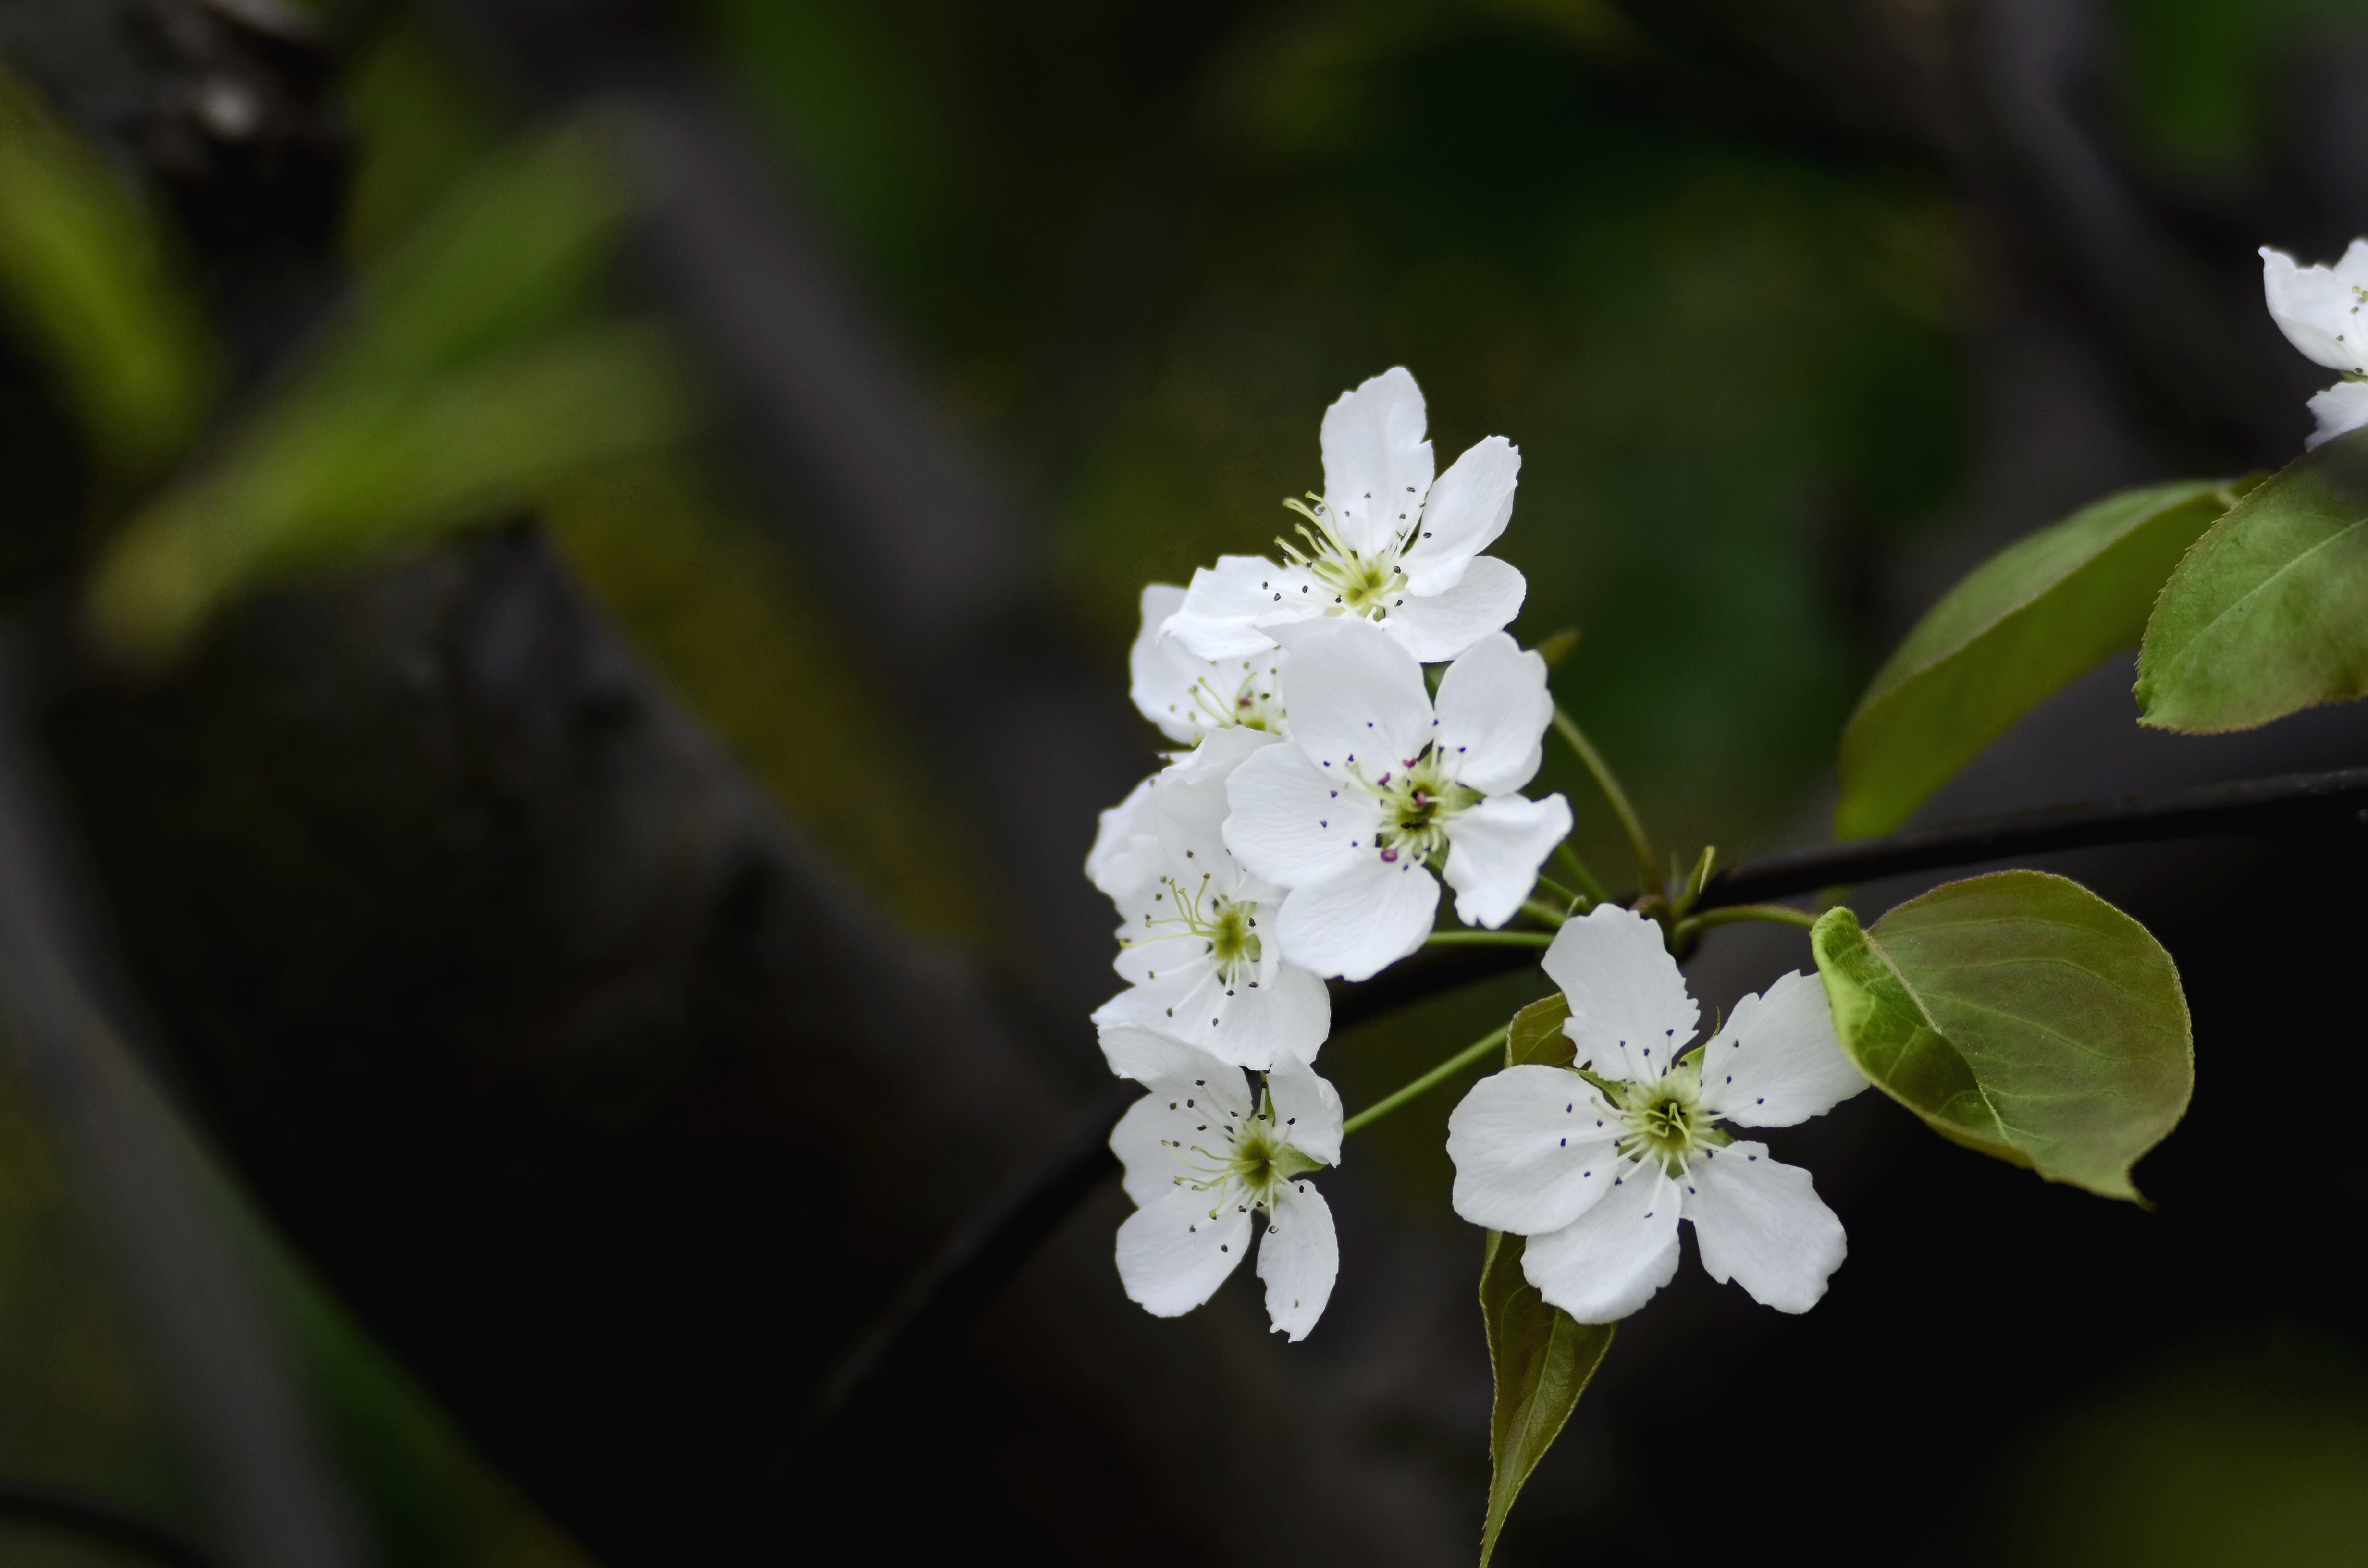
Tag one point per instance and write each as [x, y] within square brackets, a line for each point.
[1614, 793]
[1579, 873]
[1493, 1041]
[1489, 939]
[1735, 914]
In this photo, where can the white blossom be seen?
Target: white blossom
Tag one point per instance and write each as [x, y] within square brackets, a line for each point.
[1188, 696]
[1374, 786]
[2319, 310]
[1208, 1166]
[1190, 942]
[1384, 543]
[1596, 1164]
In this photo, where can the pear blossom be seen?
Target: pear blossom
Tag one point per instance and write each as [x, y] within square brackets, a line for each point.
[1208, 1166]
[1384, 543]
[1596, 1164]
[2319, 310]
[1191, 946]
[1188, 696]
[1374, 786]
[1110, 864]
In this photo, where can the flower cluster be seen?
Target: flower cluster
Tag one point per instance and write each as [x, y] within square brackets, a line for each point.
[1303, 833]
[1327, 783]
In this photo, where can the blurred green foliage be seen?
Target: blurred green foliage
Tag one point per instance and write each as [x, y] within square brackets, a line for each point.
[86, 275]
[2250, 1450]
[2199, 76]
[468, 374]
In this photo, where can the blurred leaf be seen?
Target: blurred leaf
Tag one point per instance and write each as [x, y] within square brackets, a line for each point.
[2268, 614]
[1541, 1361]
[82, 273]
[513, 251]
[1535, 1035]
[453, 392]
[2021, 1015]
[374, 465]
[2020, 626]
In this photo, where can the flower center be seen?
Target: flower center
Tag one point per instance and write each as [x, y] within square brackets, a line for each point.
[1665, 1121]
[1250, 705]
[1252, 1166]
[1417, 800]
[1361, 585]
[1227, 927]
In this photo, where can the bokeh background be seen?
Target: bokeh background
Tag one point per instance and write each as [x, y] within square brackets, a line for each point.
[567, 681]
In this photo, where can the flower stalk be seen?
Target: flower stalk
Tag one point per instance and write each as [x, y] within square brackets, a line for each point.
[1646, 867]
[1478, 1050]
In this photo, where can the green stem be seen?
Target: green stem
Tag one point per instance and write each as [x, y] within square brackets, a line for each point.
[1618, 797]
[1579, 873]
[1489, 939]
[1562, 894]
[1493, 1041]
[1545, 912]
[1735, 914]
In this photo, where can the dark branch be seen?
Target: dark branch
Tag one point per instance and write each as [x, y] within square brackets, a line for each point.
[2292, 806]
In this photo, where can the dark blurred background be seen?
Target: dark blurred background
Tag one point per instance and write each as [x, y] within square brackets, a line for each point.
[590, 945]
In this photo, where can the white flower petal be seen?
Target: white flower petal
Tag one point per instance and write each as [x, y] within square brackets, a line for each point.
[1359, 918]
[1172, 1254]
[1440, 626]
[2340, 409]
[1299, 1258]
[1284, 1019]
[1214, 759]
[1761, 1224]
[1164, 1064]
[1110, 864]
[1468, 507]
[2319, 309]
[1222, 608]
[1306, 1112]
[1609, 1261]
[1355, 698]
[1777, 1060]
[1293, 1018]
[1493, 713]
[1290, 824]
[1160, 684]
[1153, 1140]
[1495, 848]
[1188, 814]
[1376, 463]
[1533, 1148]
[1630, 1014]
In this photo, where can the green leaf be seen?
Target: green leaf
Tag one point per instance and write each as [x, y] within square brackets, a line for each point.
[356, 474]
[2269, 613]
[465, 382]
[1543, 1361]
[1535, 1034]
[2018, 1014]
[84, 274]
[2025, 622]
